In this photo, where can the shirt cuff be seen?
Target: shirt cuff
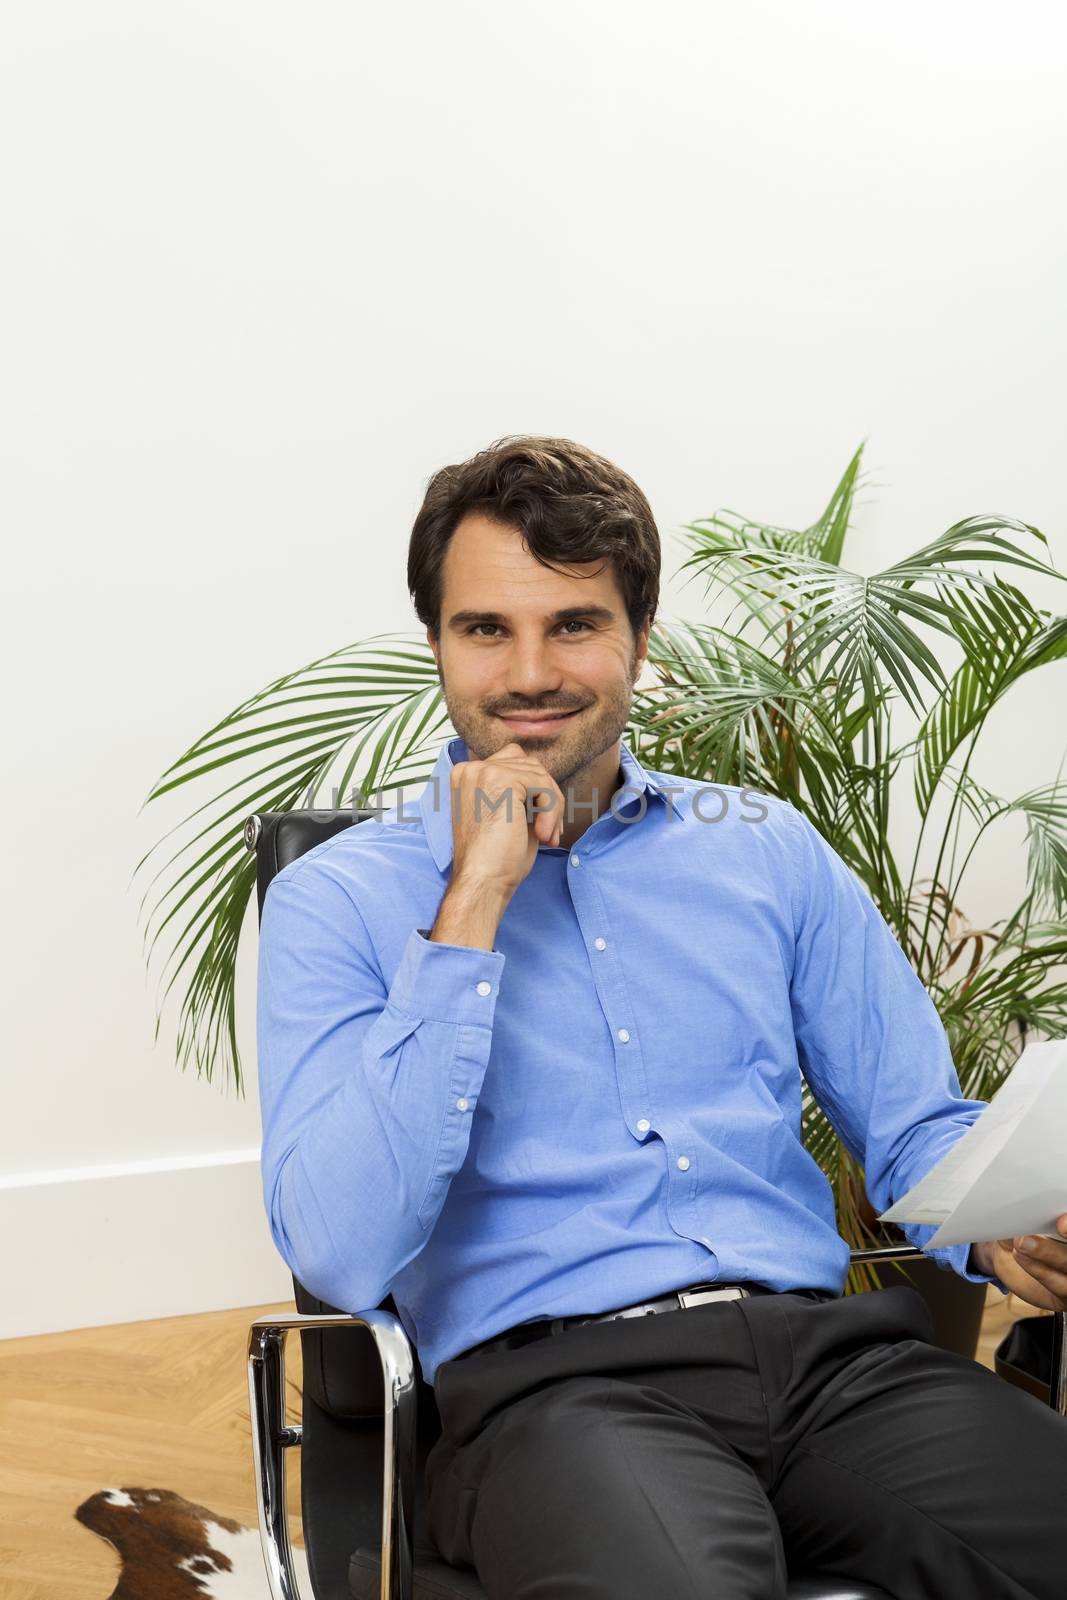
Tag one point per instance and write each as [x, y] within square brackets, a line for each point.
[446, 982]
[980, 1277]
[955, 1256]
[949, 1257]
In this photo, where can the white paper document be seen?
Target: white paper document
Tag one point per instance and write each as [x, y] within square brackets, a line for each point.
[1007, 1174]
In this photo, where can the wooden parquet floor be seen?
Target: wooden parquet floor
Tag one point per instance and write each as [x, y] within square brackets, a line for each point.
[159, 1404]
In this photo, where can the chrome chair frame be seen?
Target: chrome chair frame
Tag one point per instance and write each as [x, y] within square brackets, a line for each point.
[272, 1436]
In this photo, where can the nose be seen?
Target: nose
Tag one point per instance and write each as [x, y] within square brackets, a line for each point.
[531, 672]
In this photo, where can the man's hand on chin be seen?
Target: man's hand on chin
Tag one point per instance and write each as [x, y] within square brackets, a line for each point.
[1033, 1267]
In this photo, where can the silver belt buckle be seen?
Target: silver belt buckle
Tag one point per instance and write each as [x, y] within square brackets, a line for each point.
[698, 1297]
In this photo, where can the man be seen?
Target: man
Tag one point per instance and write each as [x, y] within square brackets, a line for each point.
[533, 1057]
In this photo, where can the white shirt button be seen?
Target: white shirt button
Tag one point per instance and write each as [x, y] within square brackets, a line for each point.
[575, 860]
[601, 944]
[484, 987]
[644, 1125]
[683, 1162]
[461, 1105]
[623, 1035]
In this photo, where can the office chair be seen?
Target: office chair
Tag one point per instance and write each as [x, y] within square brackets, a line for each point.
[366, 1406]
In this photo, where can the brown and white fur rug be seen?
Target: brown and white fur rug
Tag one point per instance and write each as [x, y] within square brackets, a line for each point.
[174, 1549]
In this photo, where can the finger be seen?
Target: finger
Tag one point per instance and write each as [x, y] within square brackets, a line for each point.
[521, 776]
[544, 824]
[546, 812]
[515, 756]
[1040, 1248]
[549, 820]
[1019, 1281]
[1048, 1270]
[530, 776]
[532, 784]
[545, 796]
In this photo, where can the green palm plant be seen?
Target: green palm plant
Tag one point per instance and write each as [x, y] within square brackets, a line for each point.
[797, 700]
[804, 711]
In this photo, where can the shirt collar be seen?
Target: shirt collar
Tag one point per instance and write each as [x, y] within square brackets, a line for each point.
[437, 818]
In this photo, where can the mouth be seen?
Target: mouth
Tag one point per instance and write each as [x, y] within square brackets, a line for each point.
[540, 724]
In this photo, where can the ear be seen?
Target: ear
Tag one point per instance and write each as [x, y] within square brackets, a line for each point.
[641, 647]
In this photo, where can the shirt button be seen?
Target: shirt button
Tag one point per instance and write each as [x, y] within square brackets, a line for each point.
[461, 1105]
[575, 860]
[601, 944]
[644, 1125]
[683, 1162]
[485, 988]
[623, 1035]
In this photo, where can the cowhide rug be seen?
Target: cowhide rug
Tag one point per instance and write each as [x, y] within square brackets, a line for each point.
[174, 1549]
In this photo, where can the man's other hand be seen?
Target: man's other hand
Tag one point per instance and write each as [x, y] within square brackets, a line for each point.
[1031, 1266]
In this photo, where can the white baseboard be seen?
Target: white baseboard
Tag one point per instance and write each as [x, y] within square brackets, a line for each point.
[89, 1246]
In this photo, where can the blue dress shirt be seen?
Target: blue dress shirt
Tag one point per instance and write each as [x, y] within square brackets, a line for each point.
[606, 1106]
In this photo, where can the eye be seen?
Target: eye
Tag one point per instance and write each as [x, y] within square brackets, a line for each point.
[572, 622]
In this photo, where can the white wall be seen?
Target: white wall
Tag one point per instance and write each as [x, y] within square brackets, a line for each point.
[268, 266]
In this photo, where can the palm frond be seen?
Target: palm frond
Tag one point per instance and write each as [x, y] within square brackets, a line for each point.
[372, 708]
[721, 710]
[1002, 642]
[852, 627]
[824, 539]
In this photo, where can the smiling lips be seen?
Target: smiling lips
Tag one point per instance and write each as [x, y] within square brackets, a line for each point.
[542, 724]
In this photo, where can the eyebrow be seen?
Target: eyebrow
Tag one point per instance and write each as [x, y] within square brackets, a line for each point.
[460, 619]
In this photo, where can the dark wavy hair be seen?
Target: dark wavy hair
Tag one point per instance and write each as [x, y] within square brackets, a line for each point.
[569, 503]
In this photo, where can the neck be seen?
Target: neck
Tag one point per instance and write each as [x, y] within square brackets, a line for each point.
[590, 796]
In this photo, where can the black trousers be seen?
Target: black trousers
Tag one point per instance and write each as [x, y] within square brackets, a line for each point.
[713, 1451]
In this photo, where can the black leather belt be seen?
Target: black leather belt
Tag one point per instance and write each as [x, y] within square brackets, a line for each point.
[697, 1294]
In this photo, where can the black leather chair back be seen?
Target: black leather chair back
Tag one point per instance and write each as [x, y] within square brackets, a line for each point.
[342, 1373]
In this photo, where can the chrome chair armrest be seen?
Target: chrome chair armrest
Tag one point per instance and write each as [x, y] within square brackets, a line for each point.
[272, 1436]
[1058, 1385]
[885, 1252]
